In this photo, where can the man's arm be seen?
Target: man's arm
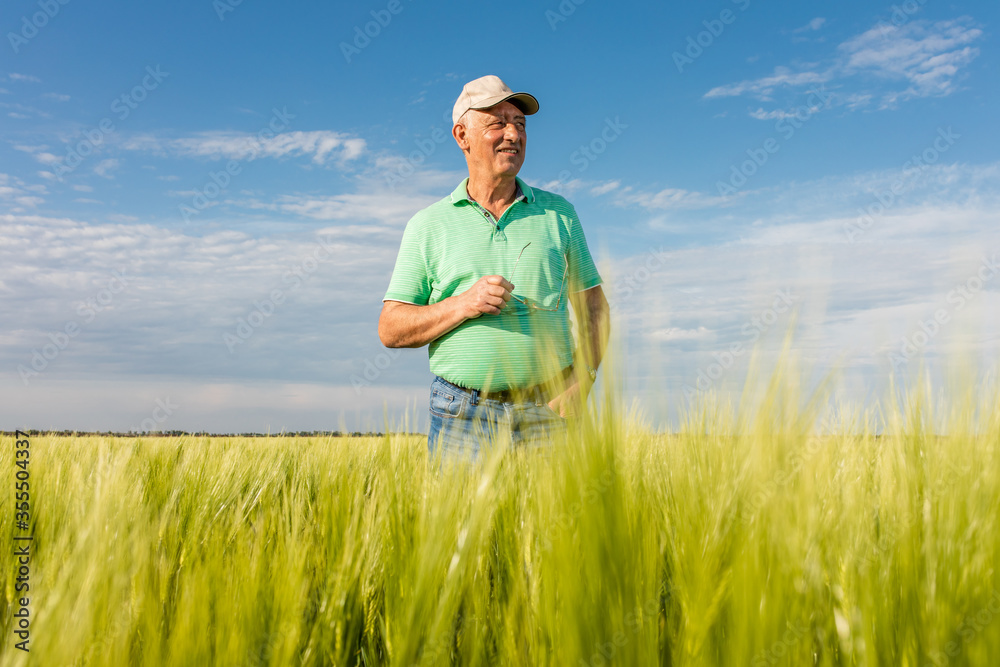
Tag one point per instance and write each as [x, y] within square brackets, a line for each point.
[409, 325]
[594, 318]
[594, 315]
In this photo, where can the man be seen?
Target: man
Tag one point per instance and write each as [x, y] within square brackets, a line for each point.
[485, 276]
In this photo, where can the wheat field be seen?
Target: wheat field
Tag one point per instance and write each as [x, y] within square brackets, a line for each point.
[774, 533]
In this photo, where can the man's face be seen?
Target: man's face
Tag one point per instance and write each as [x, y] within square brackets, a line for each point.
[496, 139]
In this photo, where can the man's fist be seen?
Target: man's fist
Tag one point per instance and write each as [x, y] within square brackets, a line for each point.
[489, 295]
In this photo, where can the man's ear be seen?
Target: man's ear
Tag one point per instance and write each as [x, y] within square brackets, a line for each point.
[459, 132]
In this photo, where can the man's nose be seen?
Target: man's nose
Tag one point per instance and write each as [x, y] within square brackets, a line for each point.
[510, 132]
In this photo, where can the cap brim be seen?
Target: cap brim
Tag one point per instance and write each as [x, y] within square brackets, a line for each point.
[523, 101]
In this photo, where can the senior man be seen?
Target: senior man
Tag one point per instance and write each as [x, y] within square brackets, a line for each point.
[485, 277]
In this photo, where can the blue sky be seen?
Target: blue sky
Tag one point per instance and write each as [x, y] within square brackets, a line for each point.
[201, 202]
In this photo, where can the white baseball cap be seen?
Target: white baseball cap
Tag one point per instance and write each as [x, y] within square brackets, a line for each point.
[488, 91]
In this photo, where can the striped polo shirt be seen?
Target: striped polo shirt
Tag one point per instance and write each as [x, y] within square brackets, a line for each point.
[451, 244]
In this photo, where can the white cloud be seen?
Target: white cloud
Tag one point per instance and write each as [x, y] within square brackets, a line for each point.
[926, 58]
[28, 78]
[40, 152]
[371, 199]
[765, 87]
[855, 302]
[672, 334]
[852, 206]
[16, 193]
[858, 100]
[322, 146]
[813, 25]
[760, 114]
[23, 110]
[567, 188]
[374, 206]
[57, 97]
[213, 405]
[185, 292]
[105, 167]
[604, 188]
[669, 199]
[680, 310]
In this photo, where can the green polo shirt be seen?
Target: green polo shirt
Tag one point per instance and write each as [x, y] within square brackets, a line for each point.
[451, 244]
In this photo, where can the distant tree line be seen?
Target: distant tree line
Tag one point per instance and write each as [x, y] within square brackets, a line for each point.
[176, 434]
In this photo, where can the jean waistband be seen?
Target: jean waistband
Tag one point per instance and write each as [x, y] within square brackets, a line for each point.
[534, 393]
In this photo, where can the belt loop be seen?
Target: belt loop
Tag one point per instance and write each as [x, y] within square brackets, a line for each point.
[475, 397]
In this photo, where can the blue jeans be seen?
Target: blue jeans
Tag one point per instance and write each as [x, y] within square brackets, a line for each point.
[462, 427]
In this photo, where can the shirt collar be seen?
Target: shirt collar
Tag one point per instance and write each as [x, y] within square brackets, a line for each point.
[461, 193]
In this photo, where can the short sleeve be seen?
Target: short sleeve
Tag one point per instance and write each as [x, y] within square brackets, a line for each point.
[583, 273]
[410, 282]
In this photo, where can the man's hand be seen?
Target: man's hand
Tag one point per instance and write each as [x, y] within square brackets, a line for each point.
[572, 396]
[592, 312]
[489, 295]
[564, 404]
[411, 325]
